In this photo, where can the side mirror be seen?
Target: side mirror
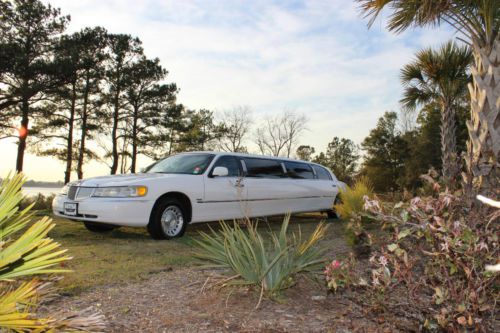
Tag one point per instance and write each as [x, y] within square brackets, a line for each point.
[220, 171]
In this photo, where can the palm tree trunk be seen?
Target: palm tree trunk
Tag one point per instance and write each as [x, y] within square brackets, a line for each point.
[449, 144]
[484, 125]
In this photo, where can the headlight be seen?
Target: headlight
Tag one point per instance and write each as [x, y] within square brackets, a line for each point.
[120, 191]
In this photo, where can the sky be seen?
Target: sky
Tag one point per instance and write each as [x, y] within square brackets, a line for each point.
[317, 58]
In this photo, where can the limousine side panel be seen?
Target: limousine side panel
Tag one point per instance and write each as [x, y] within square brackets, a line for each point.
[285, 195]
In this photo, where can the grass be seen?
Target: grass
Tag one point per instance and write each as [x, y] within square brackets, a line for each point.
[129, 254]
[120, 256]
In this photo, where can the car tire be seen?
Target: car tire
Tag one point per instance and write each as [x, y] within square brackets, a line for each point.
[332, 214]
[168, 219]
[98, 227]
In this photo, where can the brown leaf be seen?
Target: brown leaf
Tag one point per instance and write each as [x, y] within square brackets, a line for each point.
[462, 321]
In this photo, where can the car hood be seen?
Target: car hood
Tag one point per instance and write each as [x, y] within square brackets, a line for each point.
[122, 180]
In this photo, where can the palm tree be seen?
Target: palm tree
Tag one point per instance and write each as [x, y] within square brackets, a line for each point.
[439, 76]
[478, 22]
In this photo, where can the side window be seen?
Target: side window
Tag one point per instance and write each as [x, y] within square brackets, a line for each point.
[231, 163]
[298, 170]
[322, 173]
[262, 168]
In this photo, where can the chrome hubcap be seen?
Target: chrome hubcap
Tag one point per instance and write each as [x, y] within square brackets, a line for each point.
[172, 220]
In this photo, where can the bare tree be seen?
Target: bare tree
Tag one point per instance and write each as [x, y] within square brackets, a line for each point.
[235, 126]
[279, 135]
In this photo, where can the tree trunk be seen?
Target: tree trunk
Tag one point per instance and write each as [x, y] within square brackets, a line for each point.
[449, 144]
[484, 126]
[81, 155]
[134, 138]
[23, 134]
[114, 139]
[69, 140]
[170, 147]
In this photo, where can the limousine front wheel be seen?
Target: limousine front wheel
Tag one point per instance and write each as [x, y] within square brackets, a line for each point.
[168, 220]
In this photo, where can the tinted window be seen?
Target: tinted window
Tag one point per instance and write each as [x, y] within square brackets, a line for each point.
[193, 164]
[262, 168]
[322, 173]
[231, 163]
[298, 170]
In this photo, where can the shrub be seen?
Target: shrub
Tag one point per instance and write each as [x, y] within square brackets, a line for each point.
[26, 250]
[340, 274]
[351, 209]
[38, 202]
[437, 251]
[270, 265]
[352, 198]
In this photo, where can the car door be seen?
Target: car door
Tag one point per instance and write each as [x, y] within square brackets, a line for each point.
[325, 185]
[266, 183]
[225, 196]
[302, 192]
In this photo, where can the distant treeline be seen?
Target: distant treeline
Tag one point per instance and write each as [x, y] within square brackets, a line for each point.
[34, 183]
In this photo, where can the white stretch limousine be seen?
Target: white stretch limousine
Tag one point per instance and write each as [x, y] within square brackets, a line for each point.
[198, 187]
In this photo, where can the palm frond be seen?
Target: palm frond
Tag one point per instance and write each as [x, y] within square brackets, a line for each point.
[477, 20]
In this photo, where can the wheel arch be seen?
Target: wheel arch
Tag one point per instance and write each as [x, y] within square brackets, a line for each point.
[181, 197]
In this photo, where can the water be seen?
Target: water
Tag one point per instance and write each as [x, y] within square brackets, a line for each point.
[33, 191]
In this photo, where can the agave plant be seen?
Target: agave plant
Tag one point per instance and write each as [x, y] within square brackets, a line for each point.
[26, 250]
[252, 260]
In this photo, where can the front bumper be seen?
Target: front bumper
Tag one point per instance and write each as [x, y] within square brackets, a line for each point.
[132, 212]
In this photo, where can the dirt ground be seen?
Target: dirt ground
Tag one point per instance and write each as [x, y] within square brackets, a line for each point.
[169, 298]
[172, 301]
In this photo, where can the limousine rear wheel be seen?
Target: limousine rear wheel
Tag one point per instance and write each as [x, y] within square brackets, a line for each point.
[333, 214]
[168, 220]
[98, 227]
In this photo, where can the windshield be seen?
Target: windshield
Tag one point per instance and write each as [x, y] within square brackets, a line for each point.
[191, 164]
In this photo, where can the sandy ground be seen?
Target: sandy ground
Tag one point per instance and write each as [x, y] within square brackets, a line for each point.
[173, 301]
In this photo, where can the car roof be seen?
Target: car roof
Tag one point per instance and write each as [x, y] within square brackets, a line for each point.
[218, 153]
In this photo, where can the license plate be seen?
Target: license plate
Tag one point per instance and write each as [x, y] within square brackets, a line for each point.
[70, 208]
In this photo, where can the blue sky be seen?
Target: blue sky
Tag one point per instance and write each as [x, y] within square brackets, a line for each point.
[314, 57]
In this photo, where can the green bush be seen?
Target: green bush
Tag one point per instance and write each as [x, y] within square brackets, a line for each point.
[351, 210]
[270, 265]
[38, 202]
[351, 199]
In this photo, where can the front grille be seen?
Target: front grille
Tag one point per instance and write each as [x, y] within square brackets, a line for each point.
[72, 192]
